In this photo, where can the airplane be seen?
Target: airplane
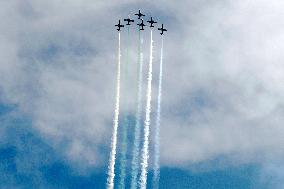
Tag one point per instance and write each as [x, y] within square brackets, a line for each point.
[162, 29]
[139, 15]
[119, 26]
[151, 22]
[141, 25]
[128, 20]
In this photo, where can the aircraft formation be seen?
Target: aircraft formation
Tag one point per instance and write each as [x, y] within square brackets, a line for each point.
[141, 24]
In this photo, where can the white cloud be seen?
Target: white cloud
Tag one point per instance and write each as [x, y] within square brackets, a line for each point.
[229, 53]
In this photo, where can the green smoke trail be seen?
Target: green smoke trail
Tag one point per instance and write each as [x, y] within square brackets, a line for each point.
[125, 121]
[137, 130]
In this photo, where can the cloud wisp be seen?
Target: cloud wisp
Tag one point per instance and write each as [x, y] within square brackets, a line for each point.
[223, 88]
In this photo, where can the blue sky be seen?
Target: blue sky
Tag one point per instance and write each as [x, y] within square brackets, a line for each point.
[46, 168]
[222, 106]
[27, 161]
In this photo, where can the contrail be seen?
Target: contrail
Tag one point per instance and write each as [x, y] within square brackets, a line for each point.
[125, 124]
[156, 176]
[135, 153]
[145, 149]
[110, 179]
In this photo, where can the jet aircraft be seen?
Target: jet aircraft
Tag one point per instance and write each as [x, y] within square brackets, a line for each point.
[139, 15]
[151, 22]
[119, 26]
[162, 29]
[128, 20]
[141, 25]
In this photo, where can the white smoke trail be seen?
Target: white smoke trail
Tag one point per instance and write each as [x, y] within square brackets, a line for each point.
[156, 176]
[145, 149]
[110, 179]
[137, 131]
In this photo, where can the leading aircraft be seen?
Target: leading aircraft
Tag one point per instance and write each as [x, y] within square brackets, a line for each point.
[119, 26]
[151, 22]
[141, 25]
[139, 15]
[128, 20]
[162, 29]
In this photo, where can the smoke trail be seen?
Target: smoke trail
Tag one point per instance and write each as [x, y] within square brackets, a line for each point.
[145, 149]
[125, 124]
[156, 176]
[110, 179]
[135, 163]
